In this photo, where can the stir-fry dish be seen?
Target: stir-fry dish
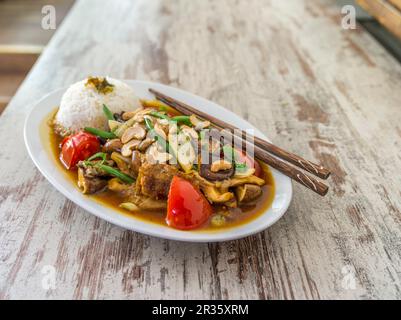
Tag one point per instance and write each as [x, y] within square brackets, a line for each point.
[152, 159]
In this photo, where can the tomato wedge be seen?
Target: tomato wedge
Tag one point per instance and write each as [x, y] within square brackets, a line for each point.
[187, 207]
[78, 147]
[251, 163]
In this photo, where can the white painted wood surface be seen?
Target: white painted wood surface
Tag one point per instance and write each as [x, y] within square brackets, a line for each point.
[329, 94]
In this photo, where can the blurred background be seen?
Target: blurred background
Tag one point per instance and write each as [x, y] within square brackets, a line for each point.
[22, 38]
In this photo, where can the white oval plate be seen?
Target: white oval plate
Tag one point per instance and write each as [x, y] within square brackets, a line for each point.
[39, 152]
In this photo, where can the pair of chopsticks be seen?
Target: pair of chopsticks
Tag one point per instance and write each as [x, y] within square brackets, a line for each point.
[264, 150]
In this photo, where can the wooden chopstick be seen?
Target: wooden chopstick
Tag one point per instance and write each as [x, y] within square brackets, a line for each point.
[292, 172]
[296, 160]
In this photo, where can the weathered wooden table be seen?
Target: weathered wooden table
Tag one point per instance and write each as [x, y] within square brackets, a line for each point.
[329, 94]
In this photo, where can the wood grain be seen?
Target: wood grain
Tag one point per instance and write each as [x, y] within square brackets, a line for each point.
[388, 13]
[396, 3]
[329, 94]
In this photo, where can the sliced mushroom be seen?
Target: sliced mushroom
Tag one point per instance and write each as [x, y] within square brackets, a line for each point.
[233, 182]
[198, 124]
[214, 195]
[248, 192]
[121, 161]
[116, 185]
[147, 203]
[113, 145]
[136, 162]
[137, 132]
[206, 172]
[220, 165]
[195, 177]
[127, 148]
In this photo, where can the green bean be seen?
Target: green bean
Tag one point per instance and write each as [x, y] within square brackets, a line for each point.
[116, 173]
[100, 133]
[110, 170]
[95, 156]
[160, 115]
[109, 115]
[182, 119]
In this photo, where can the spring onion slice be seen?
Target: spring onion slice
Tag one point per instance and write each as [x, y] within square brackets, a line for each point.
[109, 115]
[160, 115]
[100, 133]
[101, 155]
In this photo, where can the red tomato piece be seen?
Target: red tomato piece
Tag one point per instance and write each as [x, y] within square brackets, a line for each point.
[78, 147]
[187, 207]
[251, 163]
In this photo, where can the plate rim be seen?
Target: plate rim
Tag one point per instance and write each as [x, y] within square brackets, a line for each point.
[152, 229]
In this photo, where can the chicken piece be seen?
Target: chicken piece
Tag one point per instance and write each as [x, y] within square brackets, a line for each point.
[90, 184]
[146, 203]
[93, 171]
[92, 179]
[154, 180]
[116, 185]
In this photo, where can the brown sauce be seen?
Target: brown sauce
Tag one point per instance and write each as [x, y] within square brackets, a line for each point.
[238, 216]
